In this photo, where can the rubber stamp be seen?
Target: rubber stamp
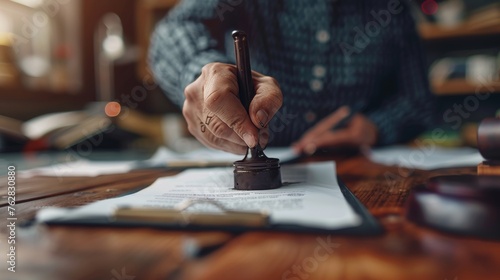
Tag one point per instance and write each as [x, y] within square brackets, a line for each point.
[488, 142]
[255, 171]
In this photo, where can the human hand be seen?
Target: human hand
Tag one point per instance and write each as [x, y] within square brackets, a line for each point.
[360, 131]
[215, 115]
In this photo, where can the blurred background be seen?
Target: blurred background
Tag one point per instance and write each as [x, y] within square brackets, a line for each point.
[75, 71]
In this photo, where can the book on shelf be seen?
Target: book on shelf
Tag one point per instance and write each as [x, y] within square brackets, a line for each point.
[55, 130]
[485, 16]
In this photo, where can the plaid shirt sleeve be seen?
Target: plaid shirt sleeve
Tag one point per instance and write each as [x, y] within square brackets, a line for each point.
[182, 44]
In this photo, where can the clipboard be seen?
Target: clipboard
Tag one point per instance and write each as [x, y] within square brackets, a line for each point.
[229, 221]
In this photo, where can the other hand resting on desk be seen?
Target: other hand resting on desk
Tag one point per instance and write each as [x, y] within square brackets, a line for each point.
[359, 131]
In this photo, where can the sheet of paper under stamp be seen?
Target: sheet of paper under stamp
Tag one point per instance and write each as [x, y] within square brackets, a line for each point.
[310, 196]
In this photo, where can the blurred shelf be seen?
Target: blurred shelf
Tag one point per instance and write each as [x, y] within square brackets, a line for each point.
[457, 87]
[436, 32]
[148, 13]
[23, 104]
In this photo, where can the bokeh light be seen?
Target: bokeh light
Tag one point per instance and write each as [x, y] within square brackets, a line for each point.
[112, 109]
[429, 7]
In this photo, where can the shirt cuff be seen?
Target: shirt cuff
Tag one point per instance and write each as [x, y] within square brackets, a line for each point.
[387, 132]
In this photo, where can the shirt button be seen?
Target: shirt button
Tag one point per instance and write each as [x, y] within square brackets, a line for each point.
[310, 116]
[316, 85]
[319, 71]
[322, 36]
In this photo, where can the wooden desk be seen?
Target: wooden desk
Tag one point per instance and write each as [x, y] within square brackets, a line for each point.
[406, 251]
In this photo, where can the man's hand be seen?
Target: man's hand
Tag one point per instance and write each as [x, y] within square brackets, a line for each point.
[215, 115]
[359, 132]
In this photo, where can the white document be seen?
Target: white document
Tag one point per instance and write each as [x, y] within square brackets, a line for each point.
[310, 197]
[426, 158]
[165, 155]
[80, 168]
[162, 157]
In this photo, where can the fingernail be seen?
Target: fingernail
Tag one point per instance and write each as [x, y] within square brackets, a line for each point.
[263, 117]
[263, 138]
[249, 140]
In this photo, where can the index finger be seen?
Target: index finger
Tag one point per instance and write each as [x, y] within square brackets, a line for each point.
[309, 141]
[267, 101]
[327, 124]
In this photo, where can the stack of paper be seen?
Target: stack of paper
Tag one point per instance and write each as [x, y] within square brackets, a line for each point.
[426, 158]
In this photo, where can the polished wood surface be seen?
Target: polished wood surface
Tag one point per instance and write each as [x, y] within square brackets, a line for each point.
[405, 251]
[485, 168]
